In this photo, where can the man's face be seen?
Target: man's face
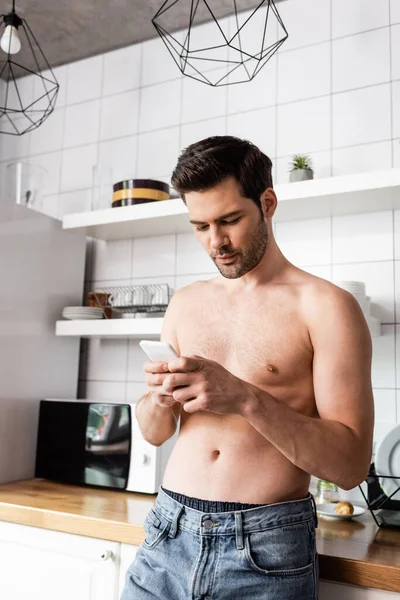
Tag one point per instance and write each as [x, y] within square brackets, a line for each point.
[231, 228]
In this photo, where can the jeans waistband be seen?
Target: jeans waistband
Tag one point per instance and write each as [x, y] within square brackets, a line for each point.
[267, 516]
[208, 506]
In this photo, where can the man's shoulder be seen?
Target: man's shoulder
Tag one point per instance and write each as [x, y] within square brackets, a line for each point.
[195, 289]
[322, 299]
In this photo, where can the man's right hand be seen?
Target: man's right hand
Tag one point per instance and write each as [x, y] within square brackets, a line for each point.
[156, 372]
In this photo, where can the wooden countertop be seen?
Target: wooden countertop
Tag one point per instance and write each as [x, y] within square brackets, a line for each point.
[354, 552]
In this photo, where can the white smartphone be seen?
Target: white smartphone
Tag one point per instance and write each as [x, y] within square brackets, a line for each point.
[158, 351]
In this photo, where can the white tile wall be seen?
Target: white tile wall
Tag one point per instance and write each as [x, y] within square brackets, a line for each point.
[394, 11]
[133, 111]
[361, 60]
[85, 79]
[353, 16]
[361, 116]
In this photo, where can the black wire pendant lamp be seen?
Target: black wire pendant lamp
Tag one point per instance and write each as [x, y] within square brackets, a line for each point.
[235, 50]
[23, 107]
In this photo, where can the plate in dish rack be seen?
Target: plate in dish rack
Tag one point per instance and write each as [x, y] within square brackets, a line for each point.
[388, 462]
[328, 511]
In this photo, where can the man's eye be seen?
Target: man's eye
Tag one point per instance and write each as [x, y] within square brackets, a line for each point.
[232, 222]
[201, 228]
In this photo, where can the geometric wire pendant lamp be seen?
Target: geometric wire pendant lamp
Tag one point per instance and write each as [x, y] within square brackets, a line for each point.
[23, 107]
[235, 49]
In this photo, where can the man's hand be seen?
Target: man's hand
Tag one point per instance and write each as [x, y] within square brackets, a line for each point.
[157, 372]
[202, 384]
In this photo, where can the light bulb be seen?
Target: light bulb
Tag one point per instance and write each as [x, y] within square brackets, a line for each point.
[10, 41]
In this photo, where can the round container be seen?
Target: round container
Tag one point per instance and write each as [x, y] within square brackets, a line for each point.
[139, 191]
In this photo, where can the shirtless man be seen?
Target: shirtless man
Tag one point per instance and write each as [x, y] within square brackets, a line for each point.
[273, 384]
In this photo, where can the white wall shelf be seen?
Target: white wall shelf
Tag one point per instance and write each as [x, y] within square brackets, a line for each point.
[111, 328]
[346, 194]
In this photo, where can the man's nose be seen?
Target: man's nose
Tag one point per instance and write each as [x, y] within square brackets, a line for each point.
[218, 239]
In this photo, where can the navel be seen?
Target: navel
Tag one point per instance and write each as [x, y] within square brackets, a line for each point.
[215, 454]
[271, 368]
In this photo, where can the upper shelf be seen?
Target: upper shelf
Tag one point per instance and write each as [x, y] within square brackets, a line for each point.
[347, 194]
[111, 328]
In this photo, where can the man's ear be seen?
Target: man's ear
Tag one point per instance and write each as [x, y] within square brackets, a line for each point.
[269, 202]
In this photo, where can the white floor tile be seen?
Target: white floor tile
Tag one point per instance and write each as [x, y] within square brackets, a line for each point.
[362, 238]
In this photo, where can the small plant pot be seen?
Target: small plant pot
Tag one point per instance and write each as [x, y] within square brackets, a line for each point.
[301, 175]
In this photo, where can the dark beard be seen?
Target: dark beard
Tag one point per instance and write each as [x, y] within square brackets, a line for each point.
[248, 259]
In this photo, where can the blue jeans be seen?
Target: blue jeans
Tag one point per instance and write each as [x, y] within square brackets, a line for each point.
[263, 553]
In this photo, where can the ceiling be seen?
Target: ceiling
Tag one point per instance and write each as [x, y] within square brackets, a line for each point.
[69, 30]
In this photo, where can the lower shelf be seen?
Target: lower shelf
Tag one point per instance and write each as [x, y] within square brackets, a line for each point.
[111, 328]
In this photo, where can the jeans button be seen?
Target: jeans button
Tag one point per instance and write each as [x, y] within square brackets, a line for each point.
[208, 524]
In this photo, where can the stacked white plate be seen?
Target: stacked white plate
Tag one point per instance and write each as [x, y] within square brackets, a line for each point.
[82, 313]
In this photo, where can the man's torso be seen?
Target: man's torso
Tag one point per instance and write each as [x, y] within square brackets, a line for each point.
[261, 337]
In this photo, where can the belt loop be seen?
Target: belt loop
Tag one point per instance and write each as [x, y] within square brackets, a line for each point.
[174, 525]
[315, 510]
[239, 530]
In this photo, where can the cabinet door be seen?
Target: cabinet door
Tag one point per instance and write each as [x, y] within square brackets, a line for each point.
[127, 556]
[333, 591]
[37, 564]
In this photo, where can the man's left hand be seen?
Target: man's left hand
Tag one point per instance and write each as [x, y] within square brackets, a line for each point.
[202, 384]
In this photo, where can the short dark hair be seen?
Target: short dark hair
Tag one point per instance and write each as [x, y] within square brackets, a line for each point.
[207, 163]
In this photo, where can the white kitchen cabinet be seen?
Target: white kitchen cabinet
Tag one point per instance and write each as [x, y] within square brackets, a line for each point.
[47, 565]
[127, 556]
[334, 591]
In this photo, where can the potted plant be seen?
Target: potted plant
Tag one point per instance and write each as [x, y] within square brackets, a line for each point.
[300, 168]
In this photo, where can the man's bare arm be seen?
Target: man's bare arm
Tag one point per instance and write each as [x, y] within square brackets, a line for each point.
[158, 423]
[336, 446]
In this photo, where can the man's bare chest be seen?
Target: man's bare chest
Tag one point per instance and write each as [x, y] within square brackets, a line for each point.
[270, 350]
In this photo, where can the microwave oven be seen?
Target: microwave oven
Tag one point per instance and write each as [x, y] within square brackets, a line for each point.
[83, 442]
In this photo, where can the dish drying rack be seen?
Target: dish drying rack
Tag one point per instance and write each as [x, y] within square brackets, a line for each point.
[388, 514]
[150, 298]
